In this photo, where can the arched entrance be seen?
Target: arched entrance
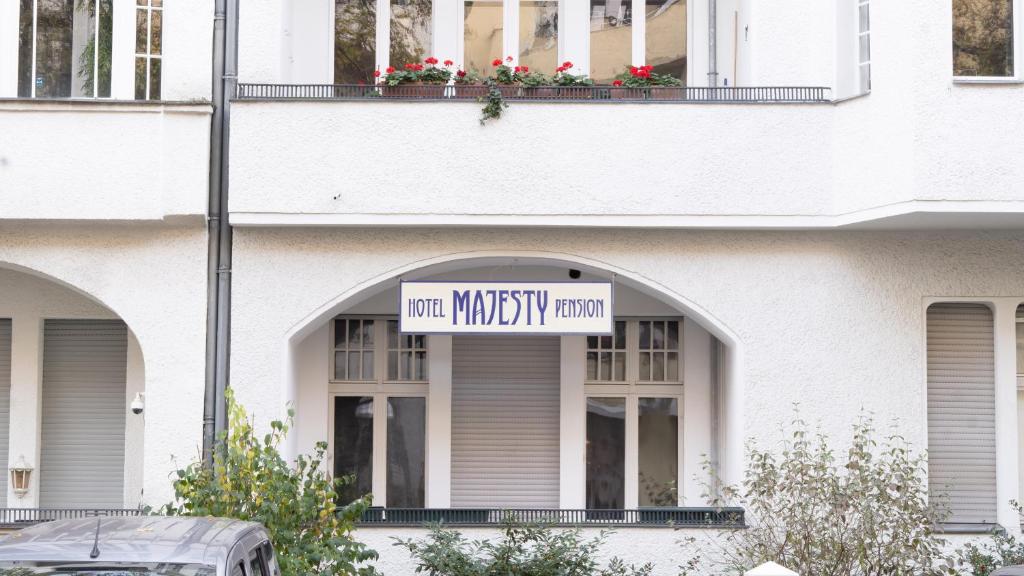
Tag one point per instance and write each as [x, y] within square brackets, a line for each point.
[69, 369]
[571, 421]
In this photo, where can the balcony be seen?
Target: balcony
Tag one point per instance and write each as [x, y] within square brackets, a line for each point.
[691, 517]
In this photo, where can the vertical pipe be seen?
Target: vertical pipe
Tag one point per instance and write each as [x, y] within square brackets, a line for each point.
[712, 43]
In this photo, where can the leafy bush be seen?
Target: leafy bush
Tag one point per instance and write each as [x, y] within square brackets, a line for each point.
[251, 481]
[867, 514]
[523, 550]
[981, 559]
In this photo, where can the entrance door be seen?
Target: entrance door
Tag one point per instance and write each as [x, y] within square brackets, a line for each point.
[505, 430]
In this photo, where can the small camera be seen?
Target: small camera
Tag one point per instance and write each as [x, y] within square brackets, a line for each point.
[138, 404]
[574, 273]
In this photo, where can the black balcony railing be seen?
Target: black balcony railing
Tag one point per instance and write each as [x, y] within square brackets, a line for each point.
[20, 517]
[603, 94]
[641, 517]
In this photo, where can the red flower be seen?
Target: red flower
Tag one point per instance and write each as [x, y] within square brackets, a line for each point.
[518, 69]
[461, 73]
[409, 66]
[448, 62]
[633, 70]
[390, 70]
[648, 68]
[376, 73]
[617, 83]
[559, 69]
[508, 58]
[526, 68]
[419, 67]
[497, 62]
[431, 60]
[566, 64]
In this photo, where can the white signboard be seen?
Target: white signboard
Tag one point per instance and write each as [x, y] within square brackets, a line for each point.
[506, 307]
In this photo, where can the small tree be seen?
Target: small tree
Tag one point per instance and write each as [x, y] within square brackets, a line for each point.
[250, 480]
[865, 515]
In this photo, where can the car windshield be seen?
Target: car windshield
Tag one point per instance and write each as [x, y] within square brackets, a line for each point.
[103, 569]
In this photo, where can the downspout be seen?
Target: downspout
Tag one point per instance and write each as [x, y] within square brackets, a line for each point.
[225, 59]
[712, 43]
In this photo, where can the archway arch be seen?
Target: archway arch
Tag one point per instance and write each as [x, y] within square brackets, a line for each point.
[729, 402]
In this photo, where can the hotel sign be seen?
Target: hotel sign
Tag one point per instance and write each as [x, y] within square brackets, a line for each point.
[506, 307]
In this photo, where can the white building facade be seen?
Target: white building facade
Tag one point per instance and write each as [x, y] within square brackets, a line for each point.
[845, 241]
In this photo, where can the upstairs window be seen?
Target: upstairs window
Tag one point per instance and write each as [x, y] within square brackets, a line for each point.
[984, 38]
[408, 26]
[148, 48]
[64, 48]
[864, 45]
[659, 40]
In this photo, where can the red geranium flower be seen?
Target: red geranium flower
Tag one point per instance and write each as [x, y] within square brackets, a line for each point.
[566, 64]
[448, 62]
[497, 62]
[559, 69]
[376, 73]
[461, 73]
[518, 69]
[390, 70]
[431, 60]
[648, 68]
[408, 66]
[508, 58]
[617, 83]
[633, 70]
[526, 68]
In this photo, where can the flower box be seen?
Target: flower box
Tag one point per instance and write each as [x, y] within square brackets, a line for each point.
[471, 91]
[414, 90]
[667, 93]
[619, 93]
[510, 90]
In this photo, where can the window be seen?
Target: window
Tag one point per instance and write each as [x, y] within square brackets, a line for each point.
[612, 38]
[634, 391]
[482, 34]
[255, 563]
[408, 26]
[148, 39]
[64, 48]
[379, 411]
[538, 34]
[864, 44]
[983, 38]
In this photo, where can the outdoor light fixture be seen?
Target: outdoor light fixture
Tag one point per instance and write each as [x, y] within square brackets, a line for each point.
[20, 475]
[138, 403]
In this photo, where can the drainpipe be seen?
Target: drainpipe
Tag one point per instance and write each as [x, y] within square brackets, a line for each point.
[225, 67]
[712, 43]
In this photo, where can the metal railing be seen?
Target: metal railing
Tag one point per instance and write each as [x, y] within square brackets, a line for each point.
[641, 517]
[435, 93]
[20, 517]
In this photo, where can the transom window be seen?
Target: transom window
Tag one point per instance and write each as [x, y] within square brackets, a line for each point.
[633, 394]
[864, 44]
[984, 38]
[64, 48]
[378, 410]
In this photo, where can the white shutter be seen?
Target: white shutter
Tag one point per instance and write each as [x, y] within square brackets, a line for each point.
[961, 410]
[82, 462]
[5, 404]
[505, 413]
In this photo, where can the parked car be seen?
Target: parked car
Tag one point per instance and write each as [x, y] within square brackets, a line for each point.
[141, 546]
[1009, 571]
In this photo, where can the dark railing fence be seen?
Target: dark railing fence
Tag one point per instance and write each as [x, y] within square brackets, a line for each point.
[23, 516]
[648, 517]
[730, 95]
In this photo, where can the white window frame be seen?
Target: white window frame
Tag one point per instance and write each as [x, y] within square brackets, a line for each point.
[638, 46]
[1018, 53]
[632, 389]
[510, 33]
[380, 389]
[95, 56]
[148, 55]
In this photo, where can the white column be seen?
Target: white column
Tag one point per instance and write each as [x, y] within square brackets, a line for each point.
[696, 412]
[134, 436]
[574, 34]
[439, 422]
[122, 65]
[573, 425]
[9, 22]
[1006, 413]
[26, 402]
[732, 452]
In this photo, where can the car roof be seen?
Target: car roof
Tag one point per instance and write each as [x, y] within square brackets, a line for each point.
[143, 539]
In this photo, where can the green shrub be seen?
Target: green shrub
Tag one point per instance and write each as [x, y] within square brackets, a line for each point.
[251, 481]
[1000, 549]
[522, 550]
[865, 514]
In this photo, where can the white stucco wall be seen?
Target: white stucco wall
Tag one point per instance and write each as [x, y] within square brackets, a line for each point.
[103, 161]
[153, 278]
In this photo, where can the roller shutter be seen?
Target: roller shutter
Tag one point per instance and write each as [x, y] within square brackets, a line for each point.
[961, 410]
[505, 421]
[5, 403]
[82, 462]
